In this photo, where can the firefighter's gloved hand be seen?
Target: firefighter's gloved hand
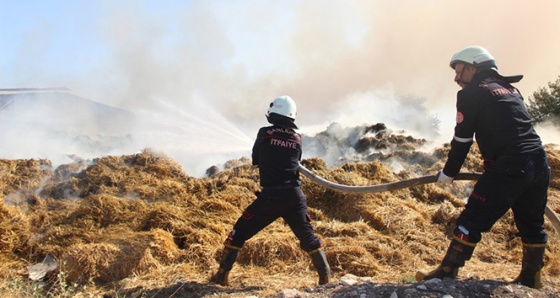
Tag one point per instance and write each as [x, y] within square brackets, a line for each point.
[443, 179]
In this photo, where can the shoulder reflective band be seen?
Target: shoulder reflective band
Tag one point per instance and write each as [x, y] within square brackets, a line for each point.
[462, 140]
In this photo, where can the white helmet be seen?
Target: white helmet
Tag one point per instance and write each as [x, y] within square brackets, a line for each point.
[475, 55]
[283, 105]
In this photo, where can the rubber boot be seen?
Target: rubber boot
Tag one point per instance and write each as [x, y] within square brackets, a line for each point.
[458, 252]
[531, 266]
[319, 260]
[226, 263]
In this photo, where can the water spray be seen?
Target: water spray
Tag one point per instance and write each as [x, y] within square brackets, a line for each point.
[404, 184]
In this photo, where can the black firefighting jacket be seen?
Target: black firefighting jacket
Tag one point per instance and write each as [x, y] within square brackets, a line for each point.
[491, 110]
[277, 152]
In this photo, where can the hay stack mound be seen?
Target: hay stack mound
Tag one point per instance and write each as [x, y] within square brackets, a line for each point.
[124, 221]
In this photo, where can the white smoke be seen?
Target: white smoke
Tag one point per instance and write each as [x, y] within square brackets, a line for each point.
[200, 74]
[549, 131]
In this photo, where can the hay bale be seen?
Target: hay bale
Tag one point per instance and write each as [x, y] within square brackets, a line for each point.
[374, 172]
[315, 164]
[94, 262]
[431, 194]
[272, 245]
[107, 210]
[554, 161]
[205, 233]
[14, 231]
[167, 217]
[194, 225]
[445, 214]
[23, 175]
[113, 259]
[391, 216]
[334, 228]
[147, 176]
[201, 257]
[334, 204]
[472, 163]
[162, 246]
[349, 256]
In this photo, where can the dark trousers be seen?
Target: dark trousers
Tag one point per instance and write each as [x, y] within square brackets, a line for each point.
[516, 182]
[287, 203]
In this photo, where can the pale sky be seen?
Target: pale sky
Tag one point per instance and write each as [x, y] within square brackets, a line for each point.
[349, 61]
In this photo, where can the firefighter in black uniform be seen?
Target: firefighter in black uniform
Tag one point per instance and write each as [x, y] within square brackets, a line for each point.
[277, 152]
[516, 170]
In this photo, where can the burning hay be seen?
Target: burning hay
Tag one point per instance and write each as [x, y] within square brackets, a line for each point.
[139, 219]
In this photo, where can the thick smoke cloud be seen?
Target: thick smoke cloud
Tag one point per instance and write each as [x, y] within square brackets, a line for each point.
[237, 57]
[210, 68]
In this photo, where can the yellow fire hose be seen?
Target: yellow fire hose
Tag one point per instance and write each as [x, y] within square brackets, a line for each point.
[404, 184]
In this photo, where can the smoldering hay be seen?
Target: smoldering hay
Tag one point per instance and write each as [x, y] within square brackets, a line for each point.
[141, 218]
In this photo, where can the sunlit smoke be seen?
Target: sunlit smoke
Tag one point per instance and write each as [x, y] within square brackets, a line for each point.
[548, 131]
[198, 76]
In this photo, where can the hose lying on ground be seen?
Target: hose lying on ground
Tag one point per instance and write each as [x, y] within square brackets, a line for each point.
[404, 184]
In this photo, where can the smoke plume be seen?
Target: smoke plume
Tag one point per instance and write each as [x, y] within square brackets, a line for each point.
[200, 75]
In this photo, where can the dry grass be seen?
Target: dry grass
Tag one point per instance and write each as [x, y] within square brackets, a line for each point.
[138, 221]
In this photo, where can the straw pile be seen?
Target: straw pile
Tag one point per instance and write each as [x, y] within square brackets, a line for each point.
[123, 221]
